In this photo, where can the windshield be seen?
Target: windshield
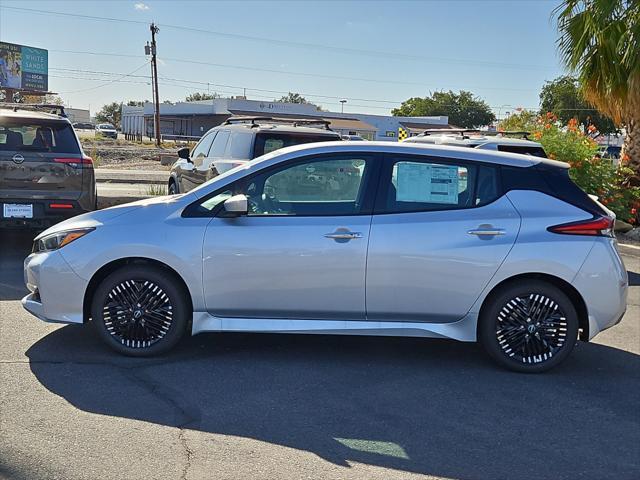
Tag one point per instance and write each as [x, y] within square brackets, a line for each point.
[54, 137]
[523, 150]
[267, 142]
[106, 126]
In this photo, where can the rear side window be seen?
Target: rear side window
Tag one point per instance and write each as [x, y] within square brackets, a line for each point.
[416, 186]
[53, 137]
[239, 146]
[268, 142]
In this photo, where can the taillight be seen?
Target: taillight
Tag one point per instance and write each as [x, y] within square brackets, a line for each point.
[61, 205]
[598, 226]
[84, 161]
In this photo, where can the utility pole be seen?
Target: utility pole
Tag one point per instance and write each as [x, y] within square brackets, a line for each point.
[154, 65]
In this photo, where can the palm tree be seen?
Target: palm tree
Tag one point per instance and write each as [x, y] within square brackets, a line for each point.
[600, 42]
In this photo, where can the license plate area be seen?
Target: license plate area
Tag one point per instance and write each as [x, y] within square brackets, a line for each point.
[17, 210]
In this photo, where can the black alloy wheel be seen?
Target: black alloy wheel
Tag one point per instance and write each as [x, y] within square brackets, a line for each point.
[529, 327]
[140, 310]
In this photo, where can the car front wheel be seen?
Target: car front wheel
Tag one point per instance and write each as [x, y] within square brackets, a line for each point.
[529, 326]
[140, 310]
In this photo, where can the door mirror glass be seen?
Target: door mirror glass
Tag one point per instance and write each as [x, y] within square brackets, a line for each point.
[184, 153]
[236, 206]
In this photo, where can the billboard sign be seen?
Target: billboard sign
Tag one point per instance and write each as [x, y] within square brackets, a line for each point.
[24, 68]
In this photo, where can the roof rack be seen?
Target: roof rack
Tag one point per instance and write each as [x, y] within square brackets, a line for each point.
[47, 107]
[463, 131]
[296, 122]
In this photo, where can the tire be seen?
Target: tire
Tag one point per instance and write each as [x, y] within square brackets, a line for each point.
[529, 326]
[173, 188]
[140, 310]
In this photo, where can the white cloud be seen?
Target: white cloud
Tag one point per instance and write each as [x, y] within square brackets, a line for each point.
[141, 6]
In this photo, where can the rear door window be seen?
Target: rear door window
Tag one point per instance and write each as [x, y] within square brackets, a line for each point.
[410, 185]
[52, 137]
[268, 142]
[239, 146]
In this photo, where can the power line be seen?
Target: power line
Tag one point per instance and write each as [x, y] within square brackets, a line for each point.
[109, 82]
[288, 43]
[289, 72]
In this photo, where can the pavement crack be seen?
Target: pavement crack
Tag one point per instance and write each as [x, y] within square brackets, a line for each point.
[188, 453]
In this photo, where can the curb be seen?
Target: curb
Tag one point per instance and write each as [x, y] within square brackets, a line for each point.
[627, 249]
[105, 202]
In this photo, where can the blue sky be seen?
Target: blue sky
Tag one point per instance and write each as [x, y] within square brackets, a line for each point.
[373, 53]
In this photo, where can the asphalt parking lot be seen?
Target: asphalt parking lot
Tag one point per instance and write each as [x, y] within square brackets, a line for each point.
[290, 407]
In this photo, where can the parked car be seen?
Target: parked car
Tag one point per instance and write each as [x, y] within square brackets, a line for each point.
[84, 126]
[44, 175]
[366, 238]
[237, 141]
[499, 141]
[106, 130]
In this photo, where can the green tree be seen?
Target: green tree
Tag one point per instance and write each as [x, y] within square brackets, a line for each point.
[292, 98]
[195, 97]
[464, 109]
[600, 42]
[522, 121]
[110, 113]
[563, 98]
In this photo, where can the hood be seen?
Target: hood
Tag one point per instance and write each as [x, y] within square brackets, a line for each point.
[147, 207]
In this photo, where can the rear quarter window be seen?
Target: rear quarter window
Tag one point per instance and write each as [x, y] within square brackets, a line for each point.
[54, 137]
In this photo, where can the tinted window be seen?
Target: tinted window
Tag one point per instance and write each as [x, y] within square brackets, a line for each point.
[51, 137]
[268, 142]
[320, 187]
[413, 186]
[523, 150]
[219, 144]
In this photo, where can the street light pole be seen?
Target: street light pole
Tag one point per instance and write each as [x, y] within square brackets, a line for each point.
[154, 64]
[342, 106]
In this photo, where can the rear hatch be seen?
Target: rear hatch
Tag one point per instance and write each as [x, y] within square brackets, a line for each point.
[39, 159]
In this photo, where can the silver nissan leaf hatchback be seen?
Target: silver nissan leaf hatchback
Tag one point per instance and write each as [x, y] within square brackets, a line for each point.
[363, 238]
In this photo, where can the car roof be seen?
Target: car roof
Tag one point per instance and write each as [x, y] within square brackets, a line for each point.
[17, 112]
[278, 128]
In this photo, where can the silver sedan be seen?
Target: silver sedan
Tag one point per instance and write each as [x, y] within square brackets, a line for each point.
[365, 238]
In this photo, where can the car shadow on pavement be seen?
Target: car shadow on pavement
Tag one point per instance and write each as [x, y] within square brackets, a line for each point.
[14, 248]
[435, 407]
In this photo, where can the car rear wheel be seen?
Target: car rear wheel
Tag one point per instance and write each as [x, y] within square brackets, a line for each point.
[173, 188]
[529, 326]
[140, 310]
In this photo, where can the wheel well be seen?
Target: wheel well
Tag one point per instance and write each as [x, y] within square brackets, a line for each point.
[111, 267]
[566, 287]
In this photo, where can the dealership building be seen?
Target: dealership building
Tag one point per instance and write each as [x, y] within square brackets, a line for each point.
[193, 119]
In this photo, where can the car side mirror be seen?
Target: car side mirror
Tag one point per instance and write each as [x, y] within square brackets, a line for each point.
[184, 154]
[236, 206]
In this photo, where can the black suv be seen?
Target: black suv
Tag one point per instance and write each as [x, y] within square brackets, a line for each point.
[44, 175]
[239, 140]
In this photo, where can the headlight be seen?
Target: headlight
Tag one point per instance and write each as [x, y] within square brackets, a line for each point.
[59, 239]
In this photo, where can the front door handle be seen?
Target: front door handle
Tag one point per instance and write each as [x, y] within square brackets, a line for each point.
[343, 235]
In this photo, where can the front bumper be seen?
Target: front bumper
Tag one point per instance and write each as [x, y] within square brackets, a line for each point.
[57, 292]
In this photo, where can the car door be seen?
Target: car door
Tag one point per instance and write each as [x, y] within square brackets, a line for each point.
[441, 229]
[193, 173]
[300, 253]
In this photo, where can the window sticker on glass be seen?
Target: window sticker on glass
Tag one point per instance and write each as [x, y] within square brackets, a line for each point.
[428, 183]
